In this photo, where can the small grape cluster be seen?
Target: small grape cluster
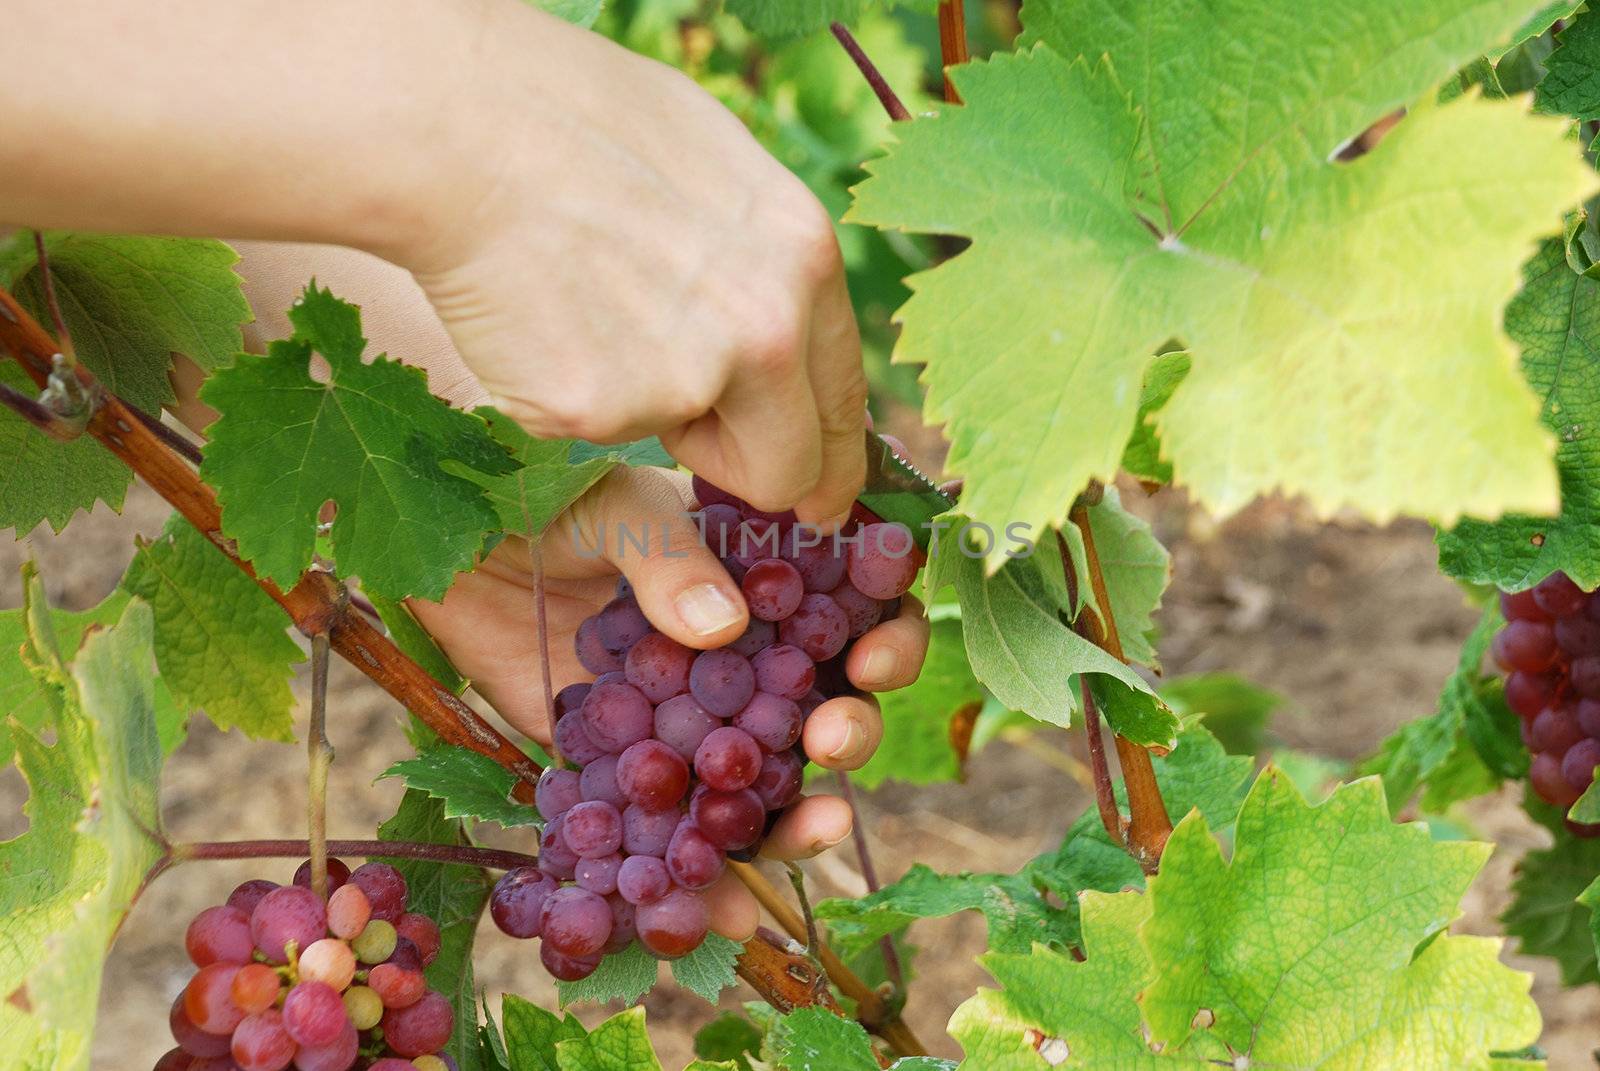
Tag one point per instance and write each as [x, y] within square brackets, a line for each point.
[686, 757]
[288, 978]
[1550, 649]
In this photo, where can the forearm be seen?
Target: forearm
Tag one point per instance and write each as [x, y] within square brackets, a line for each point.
[348, 122]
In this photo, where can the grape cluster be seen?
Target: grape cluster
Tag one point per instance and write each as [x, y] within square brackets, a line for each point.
[686, 757]
[1550, 649]
[286, 978]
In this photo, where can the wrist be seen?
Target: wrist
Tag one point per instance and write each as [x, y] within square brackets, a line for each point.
[461, 144]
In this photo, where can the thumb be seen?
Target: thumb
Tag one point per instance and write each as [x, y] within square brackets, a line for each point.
[637, 522]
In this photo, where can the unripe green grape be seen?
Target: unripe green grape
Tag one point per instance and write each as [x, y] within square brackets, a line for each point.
[429, 1063]
[376, 942]
[363, 1006]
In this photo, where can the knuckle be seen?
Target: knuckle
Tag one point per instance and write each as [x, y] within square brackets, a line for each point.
[774, 345]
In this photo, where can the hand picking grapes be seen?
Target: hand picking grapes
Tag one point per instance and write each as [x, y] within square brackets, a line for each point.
[1550, 650]
[285, 977]
[683, 757]
[681, 599]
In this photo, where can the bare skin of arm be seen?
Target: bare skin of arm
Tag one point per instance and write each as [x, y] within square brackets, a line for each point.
[610, 251]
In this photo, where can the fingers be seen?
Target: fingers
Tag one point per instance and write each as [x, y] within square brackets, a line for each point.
[843, 733]
[891, 655]
[763, 441]
[811, 826]
[839, 387]
[636, 522]
[734, 912]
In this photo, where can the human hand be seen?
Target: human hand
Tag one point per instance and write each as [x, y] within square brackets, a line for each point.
[486, 624]
[637, 264]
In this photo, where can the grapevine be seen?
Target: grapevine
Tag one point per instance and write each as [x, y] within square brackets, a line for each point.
[1132, 268]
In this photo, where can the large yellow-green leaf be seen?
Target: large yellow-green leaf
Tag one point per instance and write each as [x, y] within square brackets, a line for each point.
[94, 833]
[1164, 169]
[1319, 945]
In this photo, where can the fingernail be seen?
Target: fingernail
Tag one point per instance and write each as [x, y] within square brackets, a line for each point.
[882, 665]
[853, 736]
[705, 609]
[822, 844]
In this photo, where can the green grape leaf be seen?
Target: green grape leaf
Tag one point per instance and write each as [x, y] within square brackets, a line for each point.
[129, 303]
[94, 832]
[1249, 960]
[1545, 914]
[1233, 709]
[453, 896]
[1320, 944]
[1136, 568]
[622, 976]
[1590, 898]
[220, 639]
[1540, 21]
[27, 698]
[47, 480]
[1052, 1007]
[1017, 643]
[618, 1044]
[1571, 84]
[532, 1034]
[552, 474]
[1438, 752]
[1197, 775]
[491, 1046]
[709, 969]
[1017, 915]
[1142, 456]
[917, 717]
[1556, 320]
[1587, 810]
[816, 1039]
[579, 12]
[728, 1037]
[778, 20]
[371, 439]
[1114, 203]
[708, 1065]
[470, 785]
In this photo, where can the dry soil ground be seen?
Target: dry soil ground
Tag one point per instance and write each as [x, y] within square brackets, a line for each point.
[1354, 625]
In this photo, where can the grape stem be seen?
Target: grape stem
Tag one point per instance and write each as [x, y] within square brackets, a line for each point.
[952, 42]
[541, 620]
[797, 878]
[47, 284]
[869, 874]
[34, 412]
[463, 854]
[1149, 826]
[869, 70]
[872, 1010]
[314, 603]
[320, 759]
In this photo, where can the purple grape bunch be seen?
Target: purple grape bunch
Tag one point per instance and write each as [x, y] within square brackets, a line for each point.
[685, 758]
[286, 978]
[1550, 650]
